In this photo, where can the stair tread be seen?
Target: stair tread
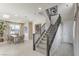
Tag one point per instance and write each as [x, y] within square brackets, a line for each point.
[41, 46]
[44, 39]
[43, 42]
[43, 51]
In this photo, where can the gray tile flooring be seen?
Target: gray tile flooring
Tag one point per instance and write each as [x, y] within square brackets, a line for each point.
[25, 49]
[65, 49]
[21, 49]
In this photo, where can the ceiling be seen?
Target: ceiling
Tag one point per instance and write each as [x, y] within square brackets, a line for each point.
[22, 10]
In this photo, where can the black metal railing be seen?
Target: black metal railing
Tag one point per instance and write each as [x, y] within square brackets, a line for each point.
[51, 33]
[37, 36]
[43, 28]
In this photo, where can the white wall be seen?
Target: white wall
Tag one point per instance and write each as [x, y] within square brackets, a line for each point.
[46, 20]
[36, 19]
[67, 14]
[65, 31]
[57, 41]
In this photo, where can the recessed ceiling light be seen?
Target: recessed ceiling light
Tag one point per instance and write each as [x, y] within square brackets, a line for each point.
[39, 8]
[6, 16]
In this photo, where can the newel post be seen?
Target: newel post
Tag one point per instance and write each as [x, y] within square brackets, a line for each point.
[34, 42]
[48, 52]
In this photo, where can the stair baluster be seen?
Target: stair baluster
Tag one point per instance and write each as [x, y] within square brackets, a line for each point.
[46, 36]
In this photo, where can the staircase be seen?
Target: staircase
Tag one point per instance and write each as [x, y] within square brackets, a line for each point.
[44, 42]
[41, 46]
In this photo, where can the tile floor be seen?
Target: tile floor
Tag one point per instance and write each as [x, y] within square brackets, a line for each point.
[21, 49]
[65, 49]
[25, 49]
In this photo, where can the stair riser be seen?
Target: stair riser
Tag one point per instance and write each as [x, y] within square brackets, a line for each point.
[41, 51]
[42, 46]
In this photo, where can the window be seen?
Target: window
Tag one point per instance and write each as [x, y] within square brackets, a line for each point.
[14, 28]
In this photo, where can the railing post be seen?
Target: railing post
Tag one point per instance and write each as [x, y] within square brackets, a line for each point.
[34, 42]
[48, 51]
